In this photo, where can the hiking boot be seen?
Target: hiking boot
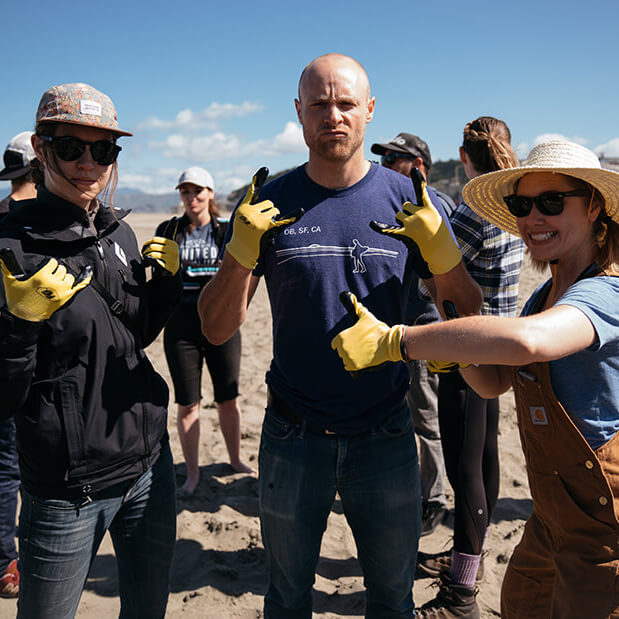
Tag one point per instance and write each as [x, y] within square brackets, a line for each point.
[451, 601]
[432, 515]
[9, 581]
[434, 565]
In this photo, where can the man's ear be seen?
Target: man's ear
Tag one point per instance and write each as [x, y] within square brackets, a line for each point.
[371, 105]
[297, 107]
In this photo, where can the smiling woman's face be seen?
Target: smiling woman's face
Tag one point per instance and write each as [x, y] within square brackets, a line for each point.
[79, 181]
[552, 237]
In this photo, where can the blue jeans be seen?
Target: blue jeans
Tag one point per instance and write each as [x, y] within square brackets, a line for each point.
[9, 487]
[377, 477]
[58, 541]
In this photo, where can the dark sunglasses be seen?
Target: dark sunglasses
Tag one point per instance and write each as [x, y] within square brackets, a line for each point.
[389, 159]
[70, 148]
[547, 203]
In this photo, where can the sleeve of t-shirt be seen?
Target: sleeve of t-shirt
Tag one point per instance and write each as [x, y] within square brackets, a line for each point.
[596, 298]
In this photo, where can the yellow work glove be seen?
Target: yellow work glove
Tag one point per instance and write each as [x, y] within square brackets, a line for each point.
[369, 342]
[445, 367]
[255, 224]
[162, 253]
[423, 224]
[38, 296]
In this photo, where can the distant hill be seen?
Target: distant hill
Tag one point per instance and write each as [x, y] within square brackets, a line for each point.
[448, 176]
[141, 202]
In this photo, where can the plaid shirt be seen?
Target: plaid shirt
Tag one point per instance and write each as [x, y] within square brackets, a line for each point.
[492, 257]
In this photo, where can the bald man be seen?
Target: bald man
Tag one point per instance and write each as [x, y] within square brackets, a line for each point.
[325, 431]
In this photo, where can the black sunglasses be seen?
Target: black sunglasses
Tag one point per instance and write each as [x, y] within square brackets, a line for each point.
[548, 203]
[391, 157]
[70, 148]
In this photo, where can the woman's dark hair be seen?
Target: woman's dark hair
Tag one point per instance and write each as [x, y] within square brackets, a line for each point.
[49, 129]
[487, 142]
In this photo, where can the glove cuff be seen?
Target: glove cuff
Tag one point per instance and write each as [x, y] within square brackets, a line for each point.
[396, 343]
[242, 255]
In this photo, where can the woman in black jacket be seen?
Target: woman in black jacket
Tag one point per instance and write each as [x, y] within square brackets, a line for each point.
[76, 312]
[200, 234]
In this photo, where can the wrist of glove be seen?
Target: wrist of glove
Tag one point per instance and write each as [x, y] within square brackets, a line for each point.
[36, 297]
[369, 342]
[445, 367]
[162, 254]
[255, 224]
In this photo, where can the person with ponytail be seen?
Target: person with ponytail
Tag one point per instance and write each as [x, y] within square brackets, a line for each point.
[561, 356]
[468, 422]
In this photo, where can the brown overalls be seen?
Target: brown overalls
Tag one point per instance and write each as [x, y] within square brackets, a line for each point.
[567, 563]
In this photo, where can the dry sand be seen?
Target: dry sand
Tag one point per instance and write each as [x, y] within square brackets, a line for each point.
[219, 562]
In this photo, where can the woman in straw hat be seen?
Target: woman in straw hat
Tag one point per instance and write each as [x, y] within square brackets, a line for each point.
[562, 359]
[90, 410]
[200, 234]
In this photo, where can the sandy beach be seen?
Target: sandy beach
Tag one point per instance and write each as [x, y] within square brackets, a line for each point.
[219, 567]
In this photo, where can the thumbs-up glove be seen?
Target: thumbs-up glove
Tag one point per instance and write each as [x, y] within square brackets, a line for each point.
[162, 254]
[423, 224]
[369, 342]
[37, 296]
[255, 224]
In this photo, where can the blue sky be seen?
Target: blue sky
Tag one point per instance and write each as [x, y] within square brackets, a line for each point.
[212, 84]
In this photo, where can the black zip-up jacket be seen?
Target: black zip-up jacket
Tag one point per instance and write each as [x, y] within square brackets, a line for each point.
[90, 409]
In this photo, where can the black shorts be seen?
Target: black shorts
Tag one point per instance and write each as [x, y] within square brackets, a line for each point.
[185, 348]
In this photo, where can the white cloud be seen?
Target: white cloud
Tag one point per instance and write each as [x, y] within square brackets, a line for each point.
[162, 180]
[208, 117]
[219, 145]
[610, 149]
[522, 149]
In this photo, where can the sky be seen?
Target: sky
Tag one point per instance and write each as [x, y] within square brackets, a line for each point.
[213, 83]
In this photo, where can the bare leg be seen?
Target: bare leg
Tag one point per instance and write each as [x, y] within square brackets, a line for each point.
[230, 423]
[188, 424]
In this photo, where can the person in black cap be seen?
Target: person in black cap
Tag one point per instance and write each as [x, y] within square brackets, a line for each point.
[402, 154]
[17, 157]
[405, 152]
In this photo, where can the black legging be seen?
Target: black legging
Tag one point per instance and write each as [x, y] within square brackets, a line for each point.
[469, 427]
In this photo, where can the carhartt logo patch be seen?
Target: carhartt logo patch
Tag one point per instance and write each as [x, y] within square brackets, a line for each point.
[538, 415]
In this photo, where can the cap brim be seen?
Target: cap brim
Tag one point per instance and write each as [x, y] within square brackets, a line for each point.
[381, 149]
[9, 174]
[485, 193]
[118, 132]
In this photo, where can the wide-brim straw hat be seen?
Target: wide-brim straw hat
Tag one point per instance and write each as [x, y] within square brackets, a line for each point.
[485, 193]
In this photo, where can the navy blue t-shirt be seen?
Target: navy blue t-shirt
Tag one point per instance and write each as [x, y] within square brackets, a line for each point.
[329, 250]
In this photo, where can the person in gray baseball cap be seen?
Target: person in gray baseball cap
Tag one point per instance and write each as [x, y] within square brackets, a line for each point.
[401, 154]
[18, 155]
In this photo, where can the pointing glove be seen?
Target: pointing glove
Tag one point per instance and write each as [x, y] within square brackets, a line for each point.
[255, 224]
[38, 296]
[423, 224]
[369, 342]
[161, 253]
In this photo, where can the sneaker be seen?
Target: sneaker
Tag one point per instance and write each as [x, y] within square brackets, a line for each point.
[451, 601]
[432, 515]
[9, 581]
[434, 565]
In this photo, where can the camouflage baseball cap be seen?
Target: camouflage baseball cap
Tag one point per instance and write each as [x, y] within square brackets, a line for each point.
[78, 104]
